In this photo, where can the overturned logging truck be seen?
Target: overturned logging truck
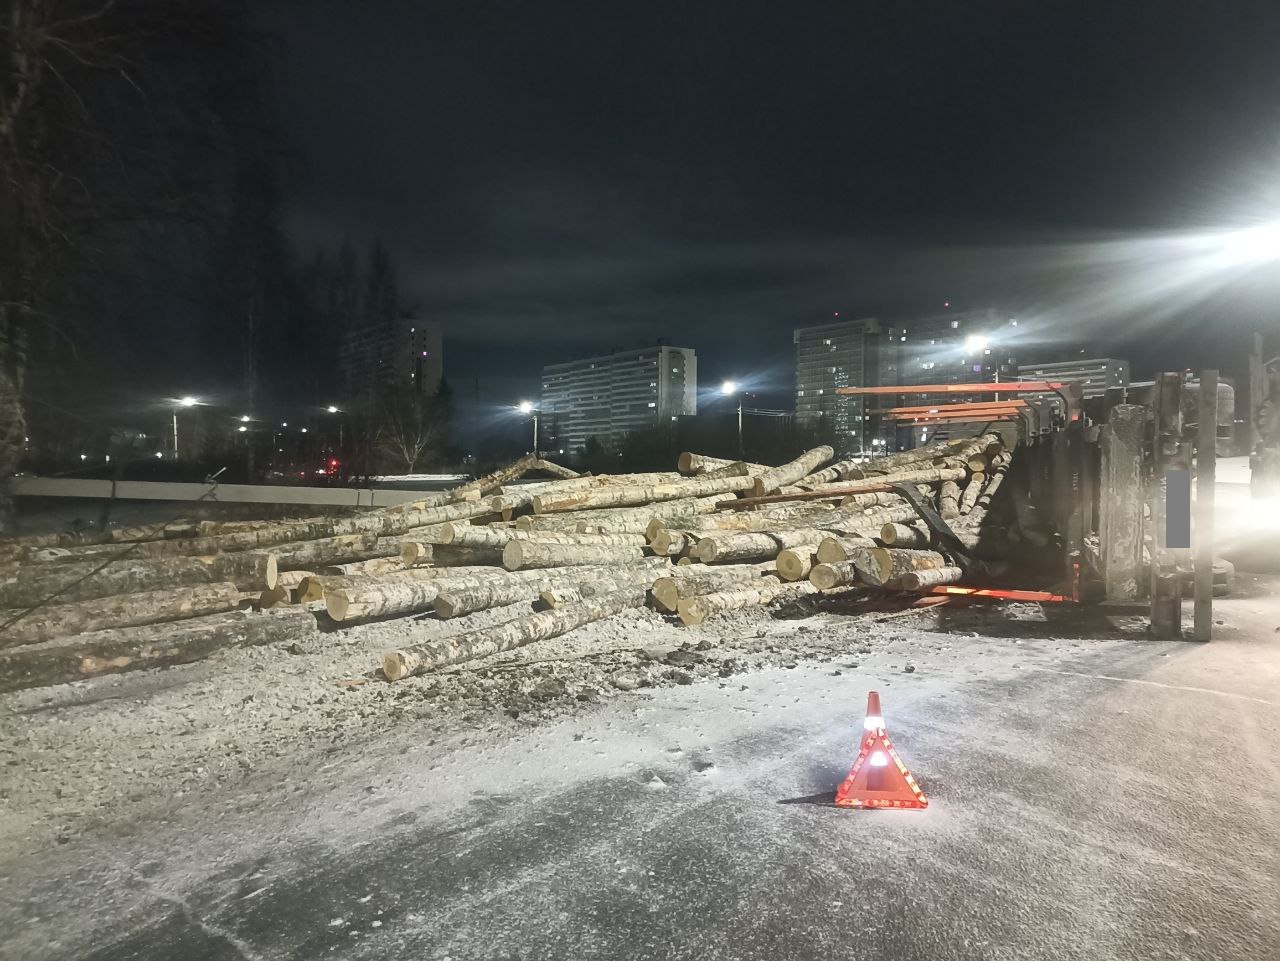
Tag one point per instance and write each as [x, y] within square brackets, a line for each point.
[1035, 496]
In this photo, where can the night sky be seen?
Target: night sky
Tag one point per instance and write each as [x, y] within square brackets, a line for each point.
[558, 179]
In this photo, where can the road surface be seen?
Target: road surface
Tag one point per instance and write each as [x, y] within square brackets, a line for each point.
[1088, 799]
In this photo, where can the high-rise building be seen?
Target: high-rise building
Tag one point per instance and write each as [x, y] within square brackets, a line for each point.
[1094, 375]
[606, 397]
[844, 353]
[404, 352]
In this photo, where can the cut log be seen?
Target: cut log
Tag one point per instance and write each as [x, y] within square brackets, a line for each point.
[276, 597]
[922, 580]
[319, 553]
[672, 543]
[833, 550]
[504, 475]
[374, 565]
[977, 481]
[695, 610]
[521, 555]
[828, 577]
[504, 637]
[689, 463]
[795, 563]
[789, 473]
[949, 500]
[149, 646]
[904, 535]
[631, 496]
[696, 579]
[498, 592]
[415, 554]
[555, 470]
[737, 548]
[449, 555]
[890, 563]
[33, 585]
[556, 597]
[126, 610]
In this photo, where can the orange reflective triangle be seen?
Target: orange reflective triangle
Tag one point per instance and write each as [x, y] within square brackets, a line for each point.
[878, 778]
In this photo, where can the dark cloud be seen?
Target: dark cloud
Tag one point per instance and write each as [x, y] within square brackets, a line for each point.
[558, 178]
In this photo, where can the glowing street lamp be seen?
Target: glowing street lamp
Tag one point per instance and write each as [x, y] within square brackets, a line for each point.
[730, 388]
[526, 407]
[331, 409]
[187, 401]
[975, 344]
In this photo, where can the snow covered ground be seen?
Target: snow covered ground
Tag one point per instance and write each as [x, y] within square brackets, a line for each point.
[1093, 795]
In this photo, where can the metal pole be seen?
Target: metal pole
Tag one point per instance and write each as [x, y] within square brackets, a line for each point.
[1206, 478]
[175, 434]
[740, 447]
[535, 433]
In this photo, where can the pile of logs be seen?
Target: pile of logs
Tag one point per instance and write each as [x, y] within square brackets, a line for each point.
[714, 536]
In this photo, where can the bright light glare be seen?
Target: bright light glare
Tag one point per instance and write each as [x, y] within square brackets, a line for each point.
[878, 759]
[332, 409]
[873, 722]
[244, 418]
[243, 428]
[729, 387]
[526, 407]
[974, 343]
[1253, 245]
[188, 402]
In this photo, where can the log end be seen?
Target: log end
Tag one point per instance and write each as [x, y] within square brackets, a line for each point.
[273, 572]
[513, 555]
[831, 551]
[684, 464]
[337, 604]
[794, 564]
[666, 595]
[397, 665]
[691, 611]
[824, 577]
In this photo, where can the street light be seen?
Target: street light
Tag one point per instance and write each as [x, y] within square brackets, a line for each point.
[526, 407]
[728, 388]
[332, 409]
[187, 401]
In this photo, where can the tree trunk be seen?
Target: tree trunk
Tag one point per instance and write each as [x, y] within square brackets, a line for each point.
[689, 463]
[741, 548]
[374, 565]
[555, 470]
[922, 580]
[150, 646]
[977, 481]
[889, 563]
[483, 485]
[319, 553]
[833, 550]
[509, 635]
[697, 579]
[521, 555]
[631, 496]
[695, 610]
[35, 585]
[127, 610]
[795, 563]
[904, 535]
[789, 473]
[827, 577]
[949, 500]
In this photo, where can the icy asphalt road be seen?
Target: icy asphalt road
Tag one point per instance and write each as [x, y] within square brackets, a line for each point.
[1107, 800]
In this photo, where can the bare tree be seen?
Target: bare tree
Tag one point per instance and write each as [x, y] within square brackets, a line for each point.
[111, 112]
[411, 429]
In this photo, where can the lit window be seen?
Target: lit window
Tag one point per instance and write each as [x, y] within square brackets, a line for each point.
[652, 404]
[928, 365]
[955, 325]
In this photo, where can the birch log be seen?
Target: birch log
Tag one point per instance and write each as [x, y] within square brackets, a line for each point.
[833, 550]
[789, 473]
[739, 548]
[695, 610]
[33, 585]
[504, 637]
[889, 563]
[696, 579]
[922, 580]
[795, 563]
[904, 535]
[520, 555]
[126, 610]
[504, 475]
[632, 496]
[148, 646]
[949, 500]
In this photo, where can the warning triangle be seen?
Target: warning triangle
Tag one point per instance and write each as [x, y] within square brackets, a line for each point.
[878, 778]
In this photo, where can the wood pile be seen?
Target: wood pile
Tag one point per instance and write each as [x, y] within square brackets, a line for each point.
[714, 536]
